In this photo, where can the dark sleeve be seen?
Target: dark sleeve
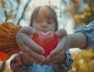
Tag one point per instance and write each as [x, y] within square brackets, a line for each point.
[66, 66]
[17, 64]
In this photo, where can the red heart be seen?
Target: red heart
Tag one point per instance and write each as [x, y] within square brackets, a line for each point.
[47, 40]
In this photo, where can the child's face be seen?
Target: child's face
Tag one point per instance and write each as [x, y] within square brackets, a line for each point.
[44, 23]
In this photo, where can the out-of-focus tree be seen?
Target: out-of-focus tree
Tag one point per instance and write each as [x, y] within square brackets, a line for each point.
[13, 10]
[66, 12]
[84, 13]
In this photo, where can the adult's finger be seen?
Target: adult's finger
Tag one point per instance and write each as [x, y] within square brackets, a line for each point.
[27, 30]
[30, 52]
[62, 46]
[15, 63]
[61, 33]
[31, 59]
[33, 54]
[56, 59]
[33, 51]
[23, 39]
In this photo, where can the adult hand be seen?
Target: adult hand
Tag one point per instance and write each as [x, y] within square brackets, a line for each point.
[58, 55]
[28, 46]
[61, 33]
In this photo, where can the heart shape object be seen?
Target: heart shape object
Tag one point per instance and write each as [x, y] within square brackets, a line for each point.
[48, 41]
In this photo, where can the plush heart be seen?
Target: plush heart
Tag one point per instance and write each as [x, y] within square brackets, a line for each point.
[47, 40]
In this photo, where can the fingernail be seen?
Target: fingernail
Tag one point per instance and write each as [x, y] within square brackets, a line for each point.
[43, 51]
[48, 57]
[43, 58]
[52, 54]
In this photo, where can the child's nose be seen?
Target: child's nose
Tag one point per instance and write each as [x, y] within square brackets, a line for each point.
[44, 25]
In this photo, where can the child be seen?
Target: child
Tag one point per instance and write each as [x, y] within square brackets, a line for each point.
[43, 19]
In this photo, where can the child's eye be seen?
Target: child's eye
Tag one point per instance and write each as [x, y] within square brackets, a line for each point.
[50, 22]
[38, 21]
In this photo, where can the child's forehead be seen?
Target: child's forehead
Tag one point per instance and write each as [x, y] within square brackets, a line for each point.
[44, 13]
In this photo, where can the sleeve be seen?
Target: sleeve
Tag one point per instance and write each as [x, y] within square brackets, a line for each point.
[88, 31]
[17, 64]
[67, 65]
[8, 44]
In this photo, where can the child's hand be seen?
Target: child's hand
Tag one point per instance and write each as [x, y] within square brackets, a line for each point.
[28, 46]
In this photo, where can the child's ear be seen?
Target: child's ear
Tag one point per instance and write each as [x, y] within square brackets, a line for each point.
[61, 33]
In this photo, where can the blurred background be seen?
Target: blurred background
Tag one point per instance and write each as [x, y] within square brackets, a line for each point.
[71, 14]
